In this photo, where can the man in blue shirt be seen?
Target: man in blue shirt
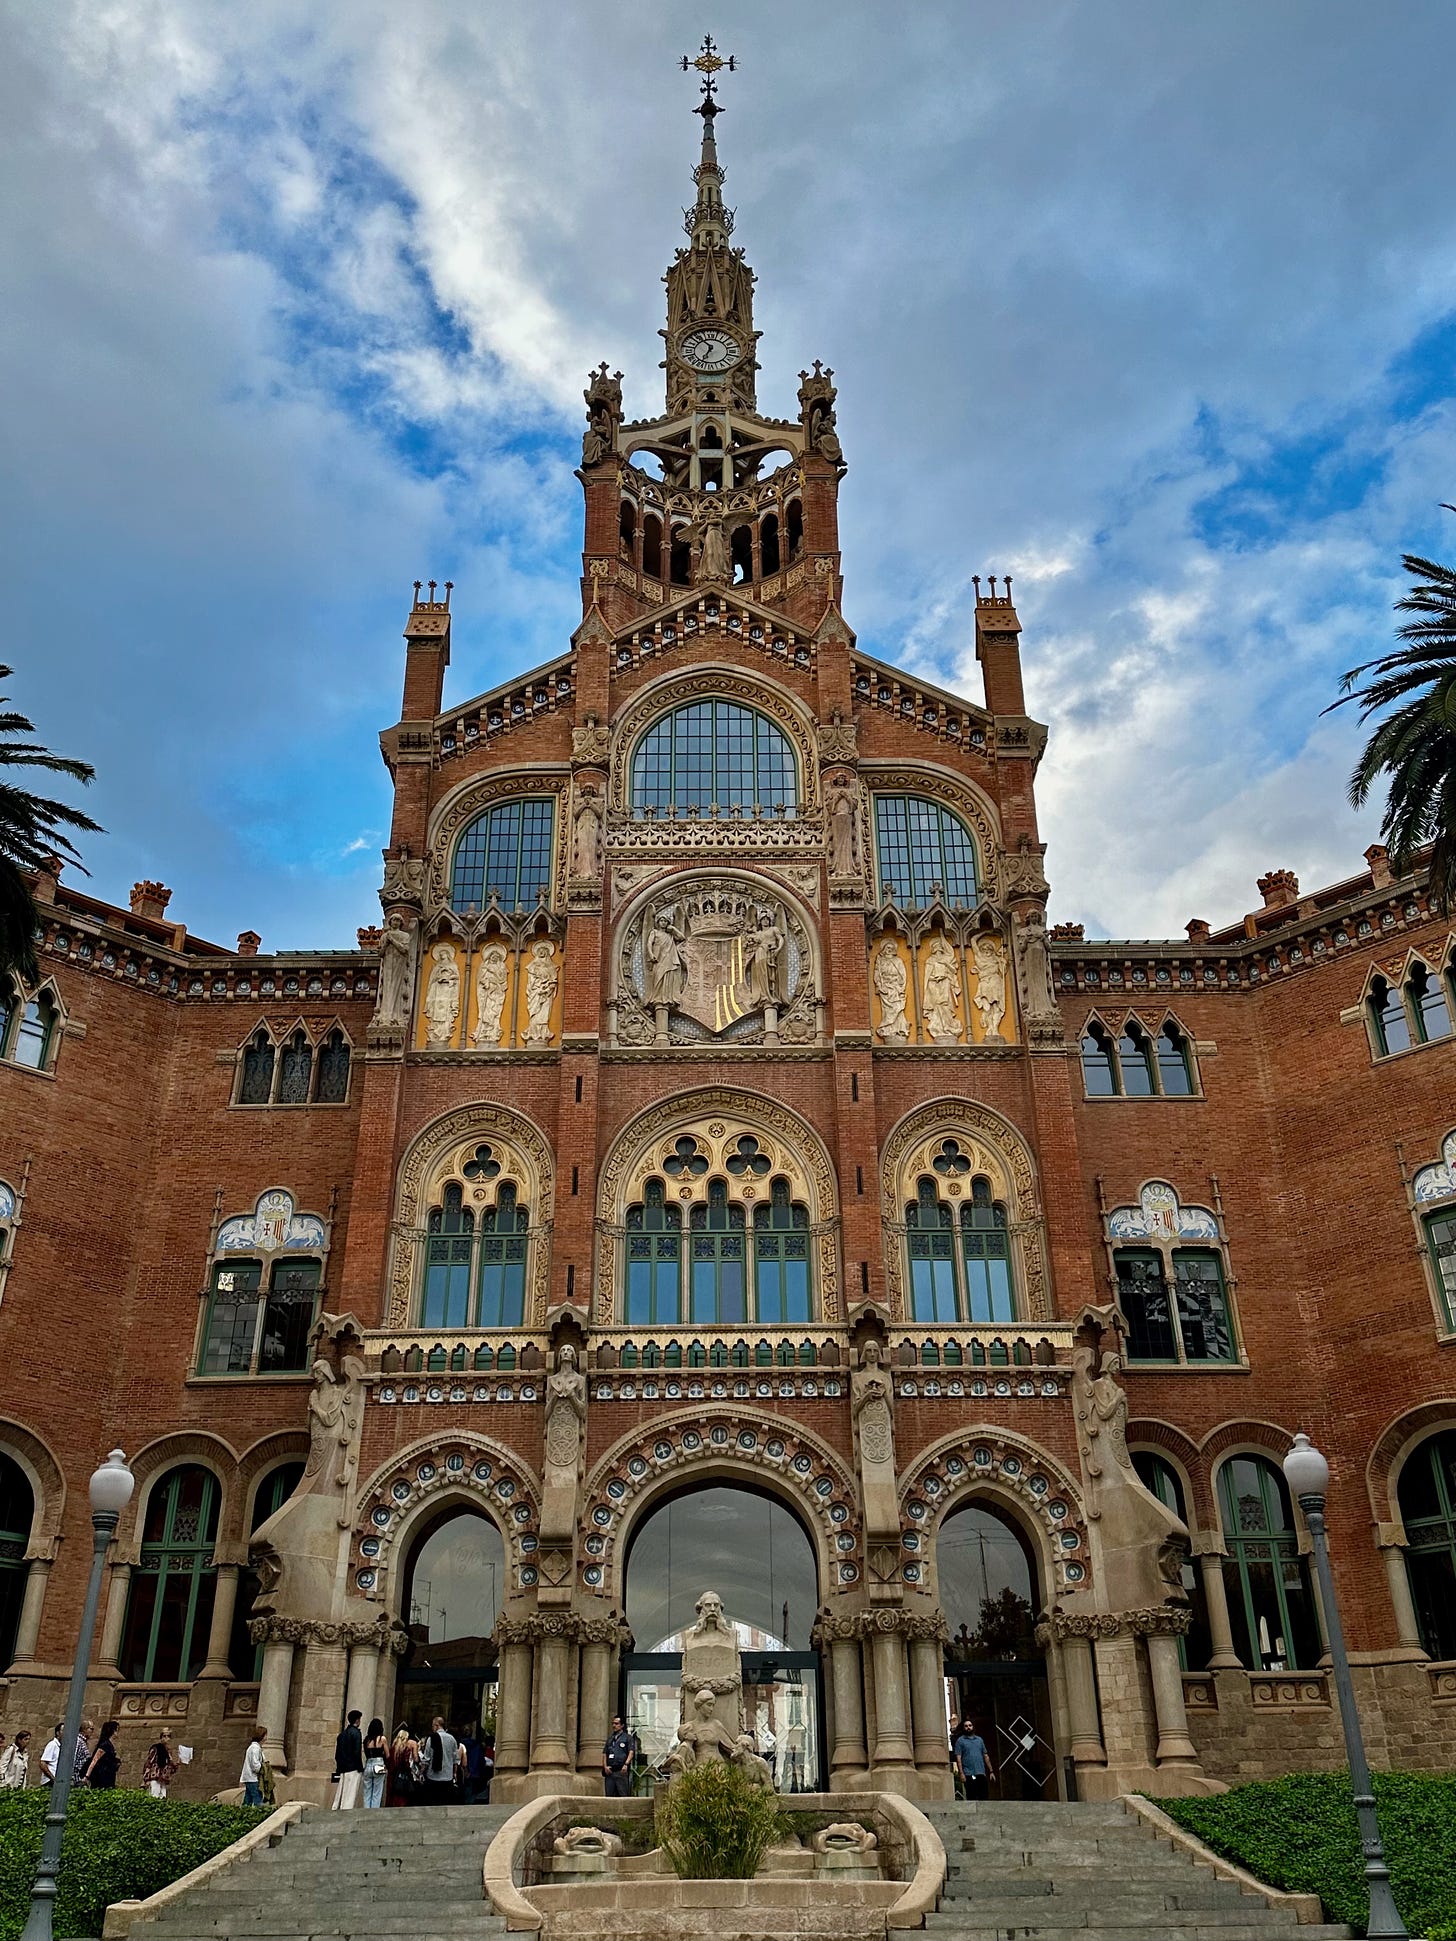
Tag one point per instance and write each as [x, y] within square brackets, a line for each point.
[972, 1761]
[619, 1755]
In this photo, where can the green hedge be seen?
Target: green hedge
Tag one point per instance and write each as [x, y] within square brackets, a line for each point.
[118, 1846]
[1301, 1834]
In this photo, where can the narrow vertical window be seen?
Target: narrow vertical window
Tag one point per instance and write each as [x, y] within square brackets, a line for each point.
[245, 1659]
[1142, 1294]
[1203, 1315]
[333, 1069]
[1441, 1239]
[781, 1260]
[169, 1605]
[986, 1255]
[1388, 1018]
[295, 1075]
[33, 1033]
[503, 1240]
[288, 1316]
[1157, 1474]
[930, 1244]
[446, 1302]
[1428, 1004]
[232, 1318]
[1135, 1056]
[1099, 1068]
[654, 1260]
[17, 1513]
[1269, 1598]
[7, 1014]
[1175, 1065]
[719, 1260]
[1427, 1496]
[256, 1087]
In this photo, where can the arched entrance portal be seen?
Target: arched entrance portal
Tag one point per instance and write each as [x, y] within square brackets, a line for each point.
[757, 1555]
[995, 1670]
[453, 1587]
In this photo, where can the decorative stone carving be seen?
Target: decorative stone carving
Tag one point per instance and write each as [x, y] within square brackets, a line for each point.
[335, 1412]
[871, 1401]
[748, 1760]
[989, 955]
[941, 991]
[702, 1738]
[1033, 958]
[491, 979]
[841, 810]
[713, 563]
[566, 1403]
[591, 744]
[845, 1836]
[396, 972]
[542, 979]
[404, 880]
[1022, 873]
[838, 740]
[720, 958]
[892, 987]
[587, 1841]
[603, 396]
[586, 831]
[442, 996]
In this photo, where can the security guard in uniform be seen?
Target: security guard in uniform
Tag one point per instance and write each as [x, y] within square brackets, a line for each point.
[618, 1755]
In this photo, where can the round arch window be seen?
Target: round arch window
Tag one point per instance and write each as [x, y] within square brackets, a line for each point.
[718, 756]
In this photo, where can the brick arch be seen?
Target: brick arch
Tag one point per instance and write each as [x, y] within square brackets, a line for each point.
[47, 1483]
[707, 1446]
[984, 1459]
[1393, 1449]
[465, 1468]
[1148, 1432]
[167, 1452]
[1007, 1153]
[253, 1465]
[1249, 1437]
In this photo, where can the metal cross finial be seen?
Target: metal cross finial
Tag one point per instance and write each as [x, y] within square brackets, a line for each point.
[709, 63]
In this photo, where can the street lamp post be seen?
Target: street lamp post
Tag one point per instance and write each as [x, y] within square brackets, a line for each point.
[111, 1488]
[1308, 1475]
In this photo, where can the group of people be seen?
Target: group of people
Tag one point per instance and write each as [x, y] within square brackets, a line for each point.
[95, 1765]
[436, 1769]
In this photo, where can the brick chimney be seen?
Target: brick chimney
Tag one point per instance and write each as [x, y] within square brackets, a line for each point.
[1197, 928]
[369, 936]
[150, 900]
[1279, 887]
[1378, 857]
[43, 883]
[248, 942]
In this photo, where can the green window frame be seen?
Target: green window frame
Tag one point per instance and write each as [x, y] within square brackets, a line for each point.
[251, 1330]
[654, 1260]
[17, 1516]
[782, 1273]
[718, 1255]
[27, 1027]
[1271, 1607]
[245, 1659]
[921, 843]
[506, 852]
[1441, 1241]
[1099, 1064]
[1175, 1063]
[1135, 1062]
[1426, 1494]
[986, 1257]
[174, 1583]
[1388, 1018]
[1429, 1003]
[1188, 1322]
[715, 755]
[931, 1249]
[501, 1274]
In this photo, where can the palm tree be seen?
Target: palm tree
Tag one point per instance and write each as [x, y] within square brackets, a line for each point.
[30, 837]
[1416, 745]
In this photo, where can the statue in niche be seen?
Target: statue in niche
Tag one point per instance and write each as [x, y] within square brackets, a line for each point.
[491, 978]
[396, 971]
[1036, 967]
[842, 803]
[586, 832]
[941, 991]
[990, 959]
[667, 963]
[713, 563]
[565, 1414]
[892, 987]
[762, 948]
[442, 995]
[541, 982]
[334, 1409]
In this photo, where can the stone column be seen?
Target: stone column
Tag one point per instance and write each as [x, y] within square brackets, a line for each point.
[1215, 1596]
[384, 1689]
[322, 1678]
[513, 1701]
[894, 1758]
[363, 1679]
[927, 1700]
[1407, 1628]
[1128, 1731]
[596, 1697]
[116, 1600]
[273, 1690]
[549, 1751]
[219, 1636]
[27, 1630]
[1087, 1748]
[1175, 1748]
[849, 1757]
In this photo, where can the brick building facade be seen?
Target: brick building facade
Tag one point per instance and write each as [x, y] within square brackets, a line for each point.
[714, 1110]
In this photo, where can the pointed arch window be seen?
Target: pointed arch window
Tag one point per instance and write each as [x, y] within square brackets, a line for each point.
[781, 1259]
[446, 1302]
[986, 1256]
[1270, 1604]
[1135, 1059]
[34, 1031]
[169, 1605]
[718, 756]
[333, 1069]
[654, 1260]
[925, 850]
[1430, 1007]
[719, 1256]
[1136, 1065]
[1099, 1063]
[295, 1073]
[503, 1245]
[505, 853]
[1427, 1497]
[1389, 1024]
[1175, 1073]
[256, 1087]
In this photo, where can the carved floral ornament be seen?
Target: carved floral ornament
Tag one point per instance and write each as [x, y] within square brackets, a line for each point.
[804, 1471]
[472, 798]
[984, 1143]
[468, 1468]
[483, 1147]
[719, 684]
[720, 1123]
[981, 1461]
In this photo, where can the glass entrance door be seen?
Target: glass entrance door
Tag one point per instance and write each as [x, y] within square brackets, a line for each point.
[782, 1707]
[1008, 1704]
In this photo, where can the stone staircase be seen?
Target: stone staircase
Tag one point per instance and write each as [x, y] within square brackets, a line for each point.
[411, 1871]
[1034, 1872]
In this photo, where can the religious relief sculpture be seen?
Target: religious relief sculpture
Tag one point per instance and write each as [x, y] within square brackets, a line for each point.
[725, 959]
[989, 955]
[816, 409]
[872, 1394]
[565, 1414]
[335, 1411]
[396, 973]
[442, 996]
[841, 807]
[604, 413]
[941, 991]
[713, 561]
[542, 979]
[491, 979]
[1033, 959]
[586, 832]
[892, 987]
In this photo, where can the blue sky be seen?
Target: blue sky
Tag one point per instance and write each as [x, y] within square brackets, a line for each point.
[1154, 308]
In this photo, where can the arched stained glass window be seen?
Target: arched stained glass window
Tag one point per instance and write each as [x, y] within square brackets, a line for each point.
[505, 853]
[1269, 1599]
[1388, 1015]
[169, 1608]
[781, 1259]
[719, 1259]
[718, 756]
[256, 1087]
[925, 849]
[333, 1070]
[1427, 1495]
[295, 1076]
[654, 1260]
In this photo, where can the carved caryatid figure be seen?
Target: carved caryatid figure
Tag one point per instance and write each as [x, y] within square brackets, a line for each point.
[763, 947]
[842, 802]
[892, 987]
[990, 957]
[667, 964]
[541, 982]
[870, 1385]
[941, 990]
[565, 1414]
[713, 560]
[333, 1427]
[442, 995]
[396, 972]
[490, 995]
[586, 832]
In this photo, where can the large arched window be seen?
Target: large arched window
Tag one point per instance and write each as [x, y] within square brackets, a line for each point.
[1427, 1496]
[925, 851]
[245, 1659]
[960, 1268]
[17, 1513]
[169, 1609]
[505, 853]
[1270, 1605]
[1158, 1475]
[718, 1251]
[654, 1260]
[715, 755]
[475, 1270]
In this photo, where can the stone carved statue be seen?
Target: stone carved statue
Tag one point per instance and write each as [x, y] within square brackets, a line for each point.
[872, 1395]
[396, 972]
[989, 954]
[842, 803]
[762, 948]
[892, 987]
[603, 396]
[749, 1760]
[713, 561]
[582, 1841]
[667, 965]
[586, 832]
[1035, 964]
[565, 1414]
[542, 979]
[941, 991]
[491, 978]
[711, 1624]
[703, 1739]
[442, 995]
[334, 1412]
[591, 744]
[404, 879]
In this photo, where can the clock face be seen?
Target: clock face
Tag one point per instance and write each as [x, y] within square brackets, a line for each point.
[710, 351]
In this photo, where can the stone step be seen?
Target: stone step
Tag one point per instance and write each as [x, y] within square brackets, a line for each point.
[422, 1917]
[1152, 1910]
[1116, 1931]
[1192, 1890]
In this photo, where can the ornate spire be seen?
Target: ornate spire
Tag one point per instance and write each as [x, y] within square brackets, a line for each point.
[708, 222]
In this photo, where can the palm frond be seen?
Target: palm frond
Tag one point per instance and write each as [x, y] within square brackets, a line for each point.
[17, 925]
[32, 830]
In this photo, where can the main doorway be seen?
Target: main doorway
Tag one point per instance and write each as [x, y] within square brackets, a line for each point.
[454, 1585]
[994, 1669]
[758, 1557]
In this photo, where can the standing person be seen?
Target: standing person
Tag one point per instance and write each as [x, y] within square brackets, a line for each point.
[101, 1767]
[487, 1771]
[442, 1753]
[376, 1763]
[15, 1762]
[403, 1756]
[617, 1757]
[348, 1764]
[973, 1762]
[83, 1752]
[50, 1756]
[469, 1763]
[159, 1766]
[251, 1777]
